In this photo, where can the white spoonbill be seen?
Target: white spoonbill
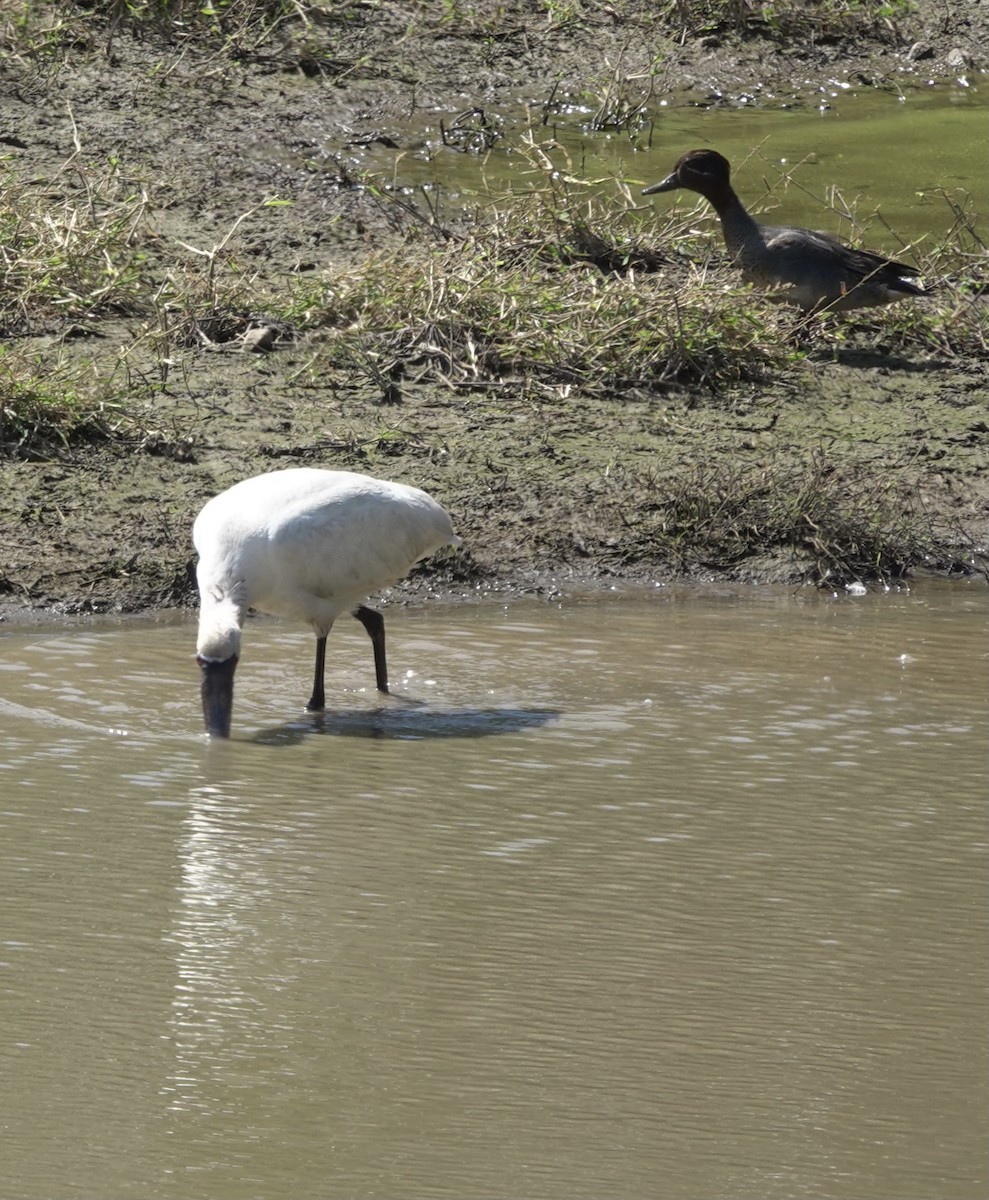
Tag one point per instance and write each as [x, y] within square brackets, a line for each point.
[306, 545]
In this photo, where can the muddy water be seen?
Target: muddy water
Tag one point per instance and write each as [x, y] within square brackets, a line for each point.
[680, 896]
[891, 151]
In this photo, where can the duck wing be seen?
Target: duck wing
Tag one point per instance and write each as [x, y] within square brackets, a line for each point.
[799, 254]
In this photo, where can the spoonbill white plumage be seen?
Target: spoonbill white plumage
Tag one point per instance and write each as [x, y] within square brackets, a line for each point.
[306, 545]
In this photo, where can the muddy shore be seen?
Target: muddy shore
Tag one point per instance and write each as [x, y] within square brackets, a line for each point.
[539, 483]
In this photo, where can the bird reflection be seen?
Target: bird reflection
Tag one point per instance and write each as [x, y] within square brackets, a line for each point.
[223, 884]
[413, 721]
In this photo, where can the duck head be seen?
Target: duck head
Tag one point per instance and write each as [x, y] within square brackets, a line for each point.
[703, 171]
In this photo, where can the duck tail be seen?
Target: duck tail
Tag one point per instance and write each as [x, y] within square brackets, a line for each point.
[908, 288]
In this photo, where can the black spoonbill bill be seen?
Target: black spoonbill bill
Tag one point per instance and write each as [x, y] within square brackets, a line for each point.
[306, 545]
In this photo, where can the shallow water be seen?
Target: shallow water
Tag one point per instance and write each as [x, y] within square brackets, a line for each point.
[891, 150]
[681, 895]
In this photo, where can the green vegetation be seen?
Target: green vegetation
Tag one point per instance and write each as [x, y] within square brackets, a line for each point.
[44, 409]
[72, 247]
[36, 28]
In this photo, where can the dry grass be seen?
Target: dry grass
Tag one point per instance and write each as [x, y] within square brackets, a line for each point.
[564, 286]
[48, 407]
[788, 19]
[831, 523]
[70, 248]
[556, 291]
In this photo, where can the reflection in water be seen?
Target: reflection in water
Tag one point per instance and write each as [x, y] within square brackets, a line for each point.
[214, 936]
[616, 893]
[409, 723]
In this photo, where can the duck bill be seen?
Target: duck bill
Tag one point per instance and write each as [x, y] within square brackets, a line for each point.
[217, 689]
[669, 184]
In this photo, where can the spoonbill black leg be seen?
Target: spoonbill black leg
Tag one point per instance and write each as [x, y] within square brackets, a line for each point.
[374, 623]
[317, 702]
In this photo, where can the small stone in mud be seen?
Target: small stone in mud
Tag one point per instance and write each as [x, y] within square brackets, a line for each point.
[260, 338]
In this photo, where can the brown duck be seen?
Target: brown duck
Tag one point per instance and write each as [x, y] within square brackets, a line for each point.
[813, 270]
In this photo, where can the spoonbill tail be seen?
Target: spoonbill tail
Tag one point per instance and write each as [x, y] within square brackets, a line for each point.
[306, 545]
